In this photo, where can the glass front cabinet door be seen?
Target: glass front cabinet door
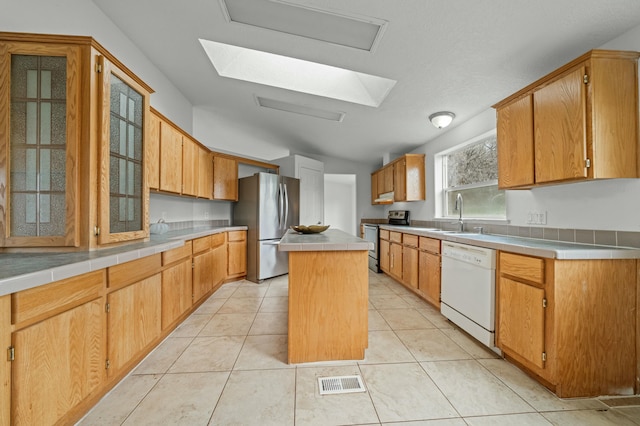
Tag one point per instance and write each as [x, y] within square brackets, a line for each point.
[39, 133]
[123, 201]
[73, 125]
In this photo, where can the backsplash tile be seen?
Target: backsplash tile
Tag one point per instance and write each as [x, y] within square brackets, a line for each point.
[585, 236]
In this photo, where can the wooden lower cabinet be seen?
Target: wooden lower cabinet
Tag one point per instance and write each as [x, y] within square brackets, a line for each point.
[177, 292]
[571, 323]
[410, 266]
[429, 277]
[202, 268]
[395, 261]
[237, 250]
[133, 322]
[384, 253]
[54, 368]
[219, 252]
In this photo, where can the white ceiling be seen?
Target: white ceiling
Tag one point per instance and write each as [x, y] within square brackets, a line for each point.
[456, 55]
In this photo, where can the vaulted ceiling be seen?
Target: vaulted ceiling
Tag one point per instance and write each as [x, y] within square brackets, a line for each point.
[455, 55]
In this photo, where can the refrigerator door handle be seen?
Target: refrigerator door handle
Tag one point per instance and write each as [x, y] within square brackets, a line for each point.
[286, 206]
[280, 204]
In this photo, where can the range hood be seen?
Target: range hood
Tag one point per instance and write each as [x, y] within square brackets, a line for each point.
[386, 198]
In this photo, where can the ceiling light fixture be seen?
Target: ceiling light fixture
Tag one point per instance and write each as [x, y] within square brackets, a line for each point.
[441, 119]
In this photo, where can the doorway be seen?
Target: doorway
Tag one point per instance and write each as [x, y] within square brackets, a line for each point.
[340, 202]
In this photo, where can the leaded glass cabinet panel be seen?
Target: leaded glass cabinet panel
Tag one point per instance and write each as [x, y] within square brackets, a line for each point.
[39, 130]
[123, 200]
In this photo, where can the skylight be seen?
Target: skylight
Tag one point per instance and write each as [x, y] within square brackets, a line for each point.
[296, 74]
[358, 32]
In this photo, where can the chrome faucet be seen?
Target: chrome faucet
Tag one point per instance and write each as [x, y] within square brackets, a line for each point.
[458, 207]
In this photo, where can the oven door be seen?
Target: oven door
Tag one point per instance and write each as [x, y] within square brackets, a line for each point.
[371, 235]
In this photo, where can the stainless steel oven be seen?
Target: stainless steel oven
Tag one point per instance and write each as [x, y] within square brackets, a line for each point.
[371, 234]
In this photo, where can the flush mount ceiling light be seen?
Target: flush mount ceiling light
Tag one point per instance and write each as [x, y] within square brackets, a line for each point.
[299, 109]
[352, 31]
[296, 74]
[441, 119]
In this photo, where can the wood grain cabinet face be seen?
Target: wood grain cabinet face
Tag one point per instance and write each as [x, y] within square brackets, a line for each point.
[40, 132]
[152, 159]
[190, 167]
[385, 264]
[55, 368]
[203, 264]
[581, 121]
[405, 177]
[410, 266]
[170, 159]
[429, 270]
[225, 178]
[237, 261]
[124, 203]
[205, 175]
[177, 292]
[395, 261]
[515, 144]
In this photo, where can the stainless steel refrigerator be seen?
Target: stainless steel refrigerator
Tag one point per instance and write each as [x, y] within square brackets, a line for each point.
[267, 204]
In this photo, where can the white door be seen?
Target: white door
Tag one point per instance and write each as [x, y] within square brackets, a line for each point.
[311, 195]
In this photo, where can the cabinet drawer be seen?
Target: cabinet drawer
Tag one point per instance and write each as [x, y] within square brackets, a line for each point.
[396, 237]
[237, 235]
[525, 267]
[177, 253]
[217, 240]
[410, 240]
[384, 234]
[41, 302]
[430, 244]
[201, 244]
[136, 270]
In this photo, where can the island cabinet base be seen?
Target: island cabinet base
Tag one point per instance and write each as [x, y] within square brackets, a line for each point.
[328, 305]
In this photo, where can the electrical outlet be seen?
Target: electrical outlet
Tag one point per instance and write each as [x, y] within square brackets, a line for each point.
[542, 218]
[206, 215]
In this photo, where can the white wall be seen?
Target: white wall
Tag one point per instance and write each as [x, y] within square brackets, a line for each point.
[601, 205]
[83, 17]
[340, 202]
[179, 209]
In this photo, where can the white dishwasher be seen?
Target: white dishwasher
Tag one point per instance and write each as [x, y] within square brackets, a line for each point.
[468, 290]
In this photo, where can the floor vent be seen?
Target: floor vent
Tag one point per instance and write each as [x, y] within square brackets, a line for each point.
[340, 384]
[629, 401]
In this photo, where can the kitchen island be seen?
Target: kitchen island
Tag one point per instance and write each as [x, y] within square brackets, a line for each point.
[328, 296]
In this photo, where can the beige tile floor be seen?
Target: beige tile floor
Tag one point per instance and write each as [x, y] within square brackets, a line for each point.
[226, 365]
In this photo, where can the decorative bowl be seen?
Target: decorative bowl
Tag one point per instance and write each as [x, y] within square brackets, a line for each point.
[311, 229]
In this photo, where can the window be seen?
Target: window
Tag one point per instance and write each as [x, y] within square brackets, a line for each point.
[471, 169]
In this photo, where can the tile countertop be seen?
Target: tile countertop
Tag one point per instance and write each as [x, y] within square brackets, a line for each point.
[329, 240]
[527, 246]
[21, 271]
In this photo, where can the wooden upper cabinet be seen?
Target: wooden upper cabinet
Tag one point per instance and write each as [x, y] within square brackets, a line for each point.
[387, 179]
[225, 178]
[411, 177]
[170, 159]
[41, 109]
[153, 152]
[559, 109]
[584, 121]
[515, 144]
[205, 174]
[123, 200]
[190, 168]
[405, 177]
